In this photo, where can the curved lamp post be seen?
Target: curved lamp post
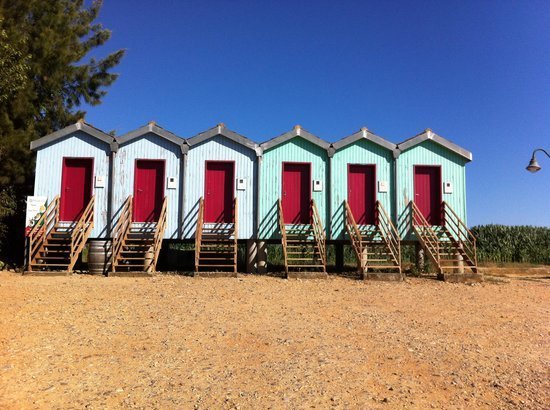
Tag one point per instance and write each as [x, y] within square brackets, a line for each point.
[533, 164]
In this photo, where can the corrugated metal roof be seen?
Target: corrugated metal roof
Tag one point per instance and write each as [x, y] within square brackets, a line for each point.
[78, 126]
[364, 133]
[152, 127]
[222, 130]
[428, 134]
[297, 131]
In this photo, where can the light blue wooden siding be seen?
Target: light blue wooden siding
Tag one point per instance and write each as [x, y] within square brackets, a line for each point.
[295, 150]
[452, 170]
[49, 166]
[149, 146]
[360, 152]
[220, 148]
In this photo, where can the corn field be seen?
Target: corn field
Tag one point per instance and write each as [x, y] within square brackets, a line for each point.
[525, 244]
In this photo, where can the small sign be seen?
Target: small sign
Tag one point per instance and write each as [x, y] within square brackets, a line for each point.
[172, 183]
[100, 181]
[447, 187]
[241, 184]
[383, 186]
[317, 185]
[36, 206]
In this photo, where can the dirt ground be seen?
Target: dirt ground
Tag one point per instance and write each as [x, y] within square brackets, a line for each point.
[262, 342]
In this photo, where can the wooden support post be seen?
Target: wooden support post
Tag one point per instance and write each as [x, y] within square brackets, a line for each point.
[251, 255]
[339, 253]
[459, 261]
[261, 257]
[420, 258]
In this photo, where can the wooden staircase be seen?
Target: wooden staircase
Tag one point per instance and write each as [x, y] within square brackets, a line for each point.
[377, 247]
[136, 245]
[451, 246]
[54, 245]
[216, 246]
[304, 246]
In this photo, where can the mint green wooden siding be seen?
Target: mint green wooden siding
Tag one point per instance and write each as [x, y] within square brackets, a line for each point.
[295, 150]
[452, 170]
[360, 152]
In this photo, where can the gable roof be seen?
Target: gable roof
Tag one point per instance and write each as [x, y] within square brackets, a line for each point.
[78, 126]
[365, 134]
[297, 131]
[222, 130]
[153, 128]
[428, 134]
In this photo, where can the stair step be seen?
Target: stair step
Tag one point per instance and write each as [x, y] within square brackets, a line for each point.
[215, 266]
[302, 259]
[49, 264]
[217, 259]
[306, 266]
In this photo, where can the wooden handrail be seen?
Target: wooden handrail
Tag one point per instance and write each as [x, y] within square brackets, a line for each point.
[354, 234]
[235, 230]
[159, 234]
[283, 232]
[464, 236]
[390, 233]
[121, 229]
[41, 229]
[319, 232]
[430, 240]
[198, 232]
[81, 232]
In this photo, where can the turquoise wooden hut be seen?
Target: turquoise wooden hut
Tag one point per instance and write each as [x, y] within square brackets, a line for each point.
[431, 201]
[362, 195]
[293, 202]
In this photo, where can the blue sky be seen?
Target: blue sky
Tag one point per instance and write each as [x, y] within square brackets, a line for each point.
[477, 73]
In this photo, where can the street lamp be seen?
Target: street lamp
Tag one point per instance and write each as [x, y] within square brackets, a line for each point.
[533, 164]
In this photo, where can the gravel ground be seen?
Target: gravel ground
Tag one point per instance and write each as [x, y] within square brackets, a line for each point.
[261, 342]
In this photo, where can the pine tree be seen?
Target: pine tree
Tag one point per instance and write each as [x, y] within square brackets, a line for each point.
[44, 81]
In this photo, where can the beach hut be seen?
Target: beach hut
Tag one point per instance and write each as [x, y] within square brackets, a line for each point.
[431, 203]
[72, 175]
[362, 188]
[146, 196]
[293, 204]
[220, 197]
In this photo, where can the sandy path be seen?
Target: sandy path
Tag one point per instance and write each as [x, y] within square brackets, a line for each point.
[259, 342]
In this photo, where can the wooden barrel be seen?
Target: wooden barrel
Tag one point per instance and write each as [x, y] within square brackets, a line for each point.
[99, 257]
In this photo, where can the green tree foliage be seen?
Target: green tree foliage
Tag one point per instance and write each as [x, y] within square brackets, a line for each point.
[500, 243]
[14, 67]
[44, 81]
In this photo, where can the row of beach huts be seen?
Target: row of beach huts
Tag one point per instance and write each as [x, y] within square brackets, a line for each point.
[128, 195]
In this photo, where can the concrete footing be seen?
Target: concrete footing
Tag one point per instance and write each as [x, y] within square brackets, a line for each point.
[461, 277]
[215, 274]
[383, 276]
[133, 274]
[47, 273]
[306, 275]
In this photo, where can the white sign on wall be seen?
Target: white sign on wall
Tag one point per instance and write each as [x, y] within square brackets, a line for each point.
[36, 206]
[382, 186]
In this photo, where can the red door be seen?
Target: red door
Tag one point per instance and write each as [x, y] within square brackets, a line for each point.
[362, 193]
[218, 191]
[296, 192]
[427, 192]
[148, 189]
[76, 187]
